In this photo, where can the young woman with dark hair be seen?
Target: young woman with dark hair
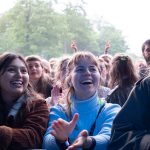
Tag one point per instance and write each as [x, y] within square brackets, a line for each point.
[23, 113]
[122, 79]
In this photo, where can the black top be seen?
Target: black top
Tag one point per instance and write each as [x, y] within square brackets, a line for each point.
[131, 127]
[119, 95]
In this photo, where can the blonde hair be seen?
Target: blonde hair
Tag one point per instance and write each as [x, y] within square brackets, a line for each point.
[71, 64]
[59, 68]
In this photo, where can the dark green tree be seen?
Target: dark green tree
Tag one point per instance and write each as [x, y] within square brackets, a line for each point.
[108, 32]
[35, 27]
[80, 28]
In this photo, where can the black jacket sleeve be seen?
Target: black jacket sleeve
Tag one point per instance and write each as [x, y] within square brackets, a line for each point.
[131, 127]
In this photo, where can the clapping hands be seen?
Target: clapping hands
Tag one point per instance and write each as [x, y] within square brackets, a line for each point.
[62, 129]
[82, 141]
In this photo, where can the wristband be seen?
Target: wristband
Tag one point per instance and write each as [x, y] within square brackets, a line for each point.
[92, 145]
[62, 146]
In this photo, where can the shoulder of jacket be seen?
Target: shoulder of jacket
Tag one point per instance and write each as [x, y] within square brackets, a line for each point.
[113, 90]
[139, 81]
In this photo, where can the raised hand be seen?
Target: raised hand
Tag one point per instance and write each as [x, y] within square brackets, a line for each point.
[107, 46]
[55, 95]
[62, 129]
[74, 46]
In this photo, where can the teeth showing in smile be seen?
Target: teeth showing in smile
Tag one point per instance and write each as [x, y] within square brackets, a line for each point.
[87, 82]
[17, 83]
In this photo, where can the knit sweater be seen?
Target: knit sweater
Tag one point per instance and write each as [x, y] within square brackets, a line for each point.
[87, 110]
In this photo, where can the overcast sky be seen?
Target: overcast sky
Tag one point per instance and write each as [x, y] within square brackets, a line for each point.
[129, 16]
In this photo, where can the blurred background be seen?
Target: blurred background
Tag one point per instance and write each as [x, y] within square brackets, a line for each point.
[47, 27]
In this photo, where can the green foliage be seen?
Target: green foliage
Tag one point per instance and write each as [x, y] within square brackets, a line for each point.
[109, 33]
[34, 27]
[79, 28]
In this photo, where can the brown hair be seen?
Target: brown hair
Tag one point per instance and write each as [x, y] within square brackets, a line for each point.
[147, 42]
[34, 58]
[44, 83]
[7, 58]
[122, 71]
[59, 68]
[5, 61]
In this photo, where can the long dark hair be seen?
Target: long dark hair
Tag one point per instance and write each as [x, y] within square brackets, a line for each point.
[5, 61]
[122, 71]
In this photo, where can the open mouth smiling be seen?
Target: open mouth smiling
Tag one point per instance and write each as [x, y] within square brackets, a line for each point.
[17, 83]
[87, 82]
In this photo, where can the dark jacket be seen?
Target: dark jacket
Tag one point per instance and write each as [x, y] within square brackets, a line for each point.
[119, 95]
[24, 130]
[131, 127]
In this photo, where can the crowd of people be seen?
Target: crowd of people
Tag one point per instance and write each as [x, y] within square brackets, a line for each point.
[75, 102]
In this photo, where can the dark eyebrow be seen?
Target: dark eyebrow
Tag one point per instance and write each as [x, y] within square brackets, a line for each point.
[16, 66]
[11, 66]
[79, 66]
[88, 66]
[92, 66]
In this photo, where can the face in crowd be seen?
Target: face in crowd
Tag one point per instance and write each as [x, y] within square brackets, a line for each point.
[35, 69]
[146, 53]
[14, 78]
[85, 78]
[63, 69]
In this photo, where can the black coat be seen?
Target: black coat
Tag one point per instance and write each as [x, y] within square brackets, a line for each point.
[131, 127]
[119, 95]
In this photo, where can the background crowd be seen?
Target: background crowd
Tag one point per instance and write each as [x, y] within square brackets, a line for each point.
[80, 101]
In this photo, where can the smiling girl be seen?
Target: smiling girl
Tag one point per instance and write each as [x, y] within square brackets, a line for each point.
[23, 113]
[84, 121]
